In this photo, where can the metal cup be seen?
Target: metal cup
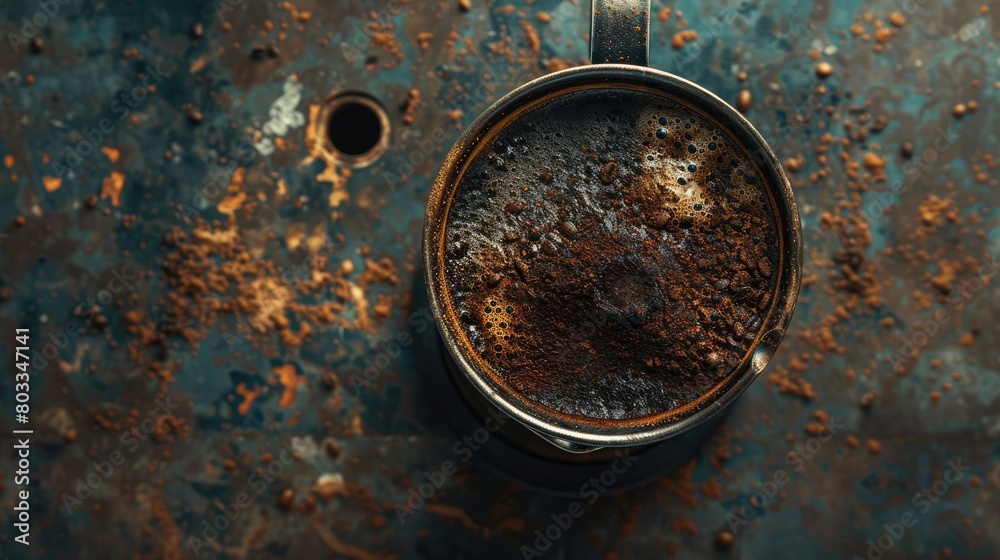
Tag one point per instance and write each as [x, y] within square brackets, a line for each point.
[619, 53]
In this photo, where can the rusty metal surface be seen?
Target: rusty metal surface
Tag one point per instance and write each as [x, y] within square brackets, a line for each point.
[153, 265]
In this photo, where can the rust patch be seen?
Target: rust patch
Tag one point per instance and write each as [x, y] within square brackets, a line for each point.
[249, 395]
[112, 153]
[290, 380]
[112, 187]
[235, 196]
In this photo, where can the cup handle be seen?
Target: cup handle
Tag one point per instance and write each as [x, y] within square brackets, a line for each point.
[619, 32]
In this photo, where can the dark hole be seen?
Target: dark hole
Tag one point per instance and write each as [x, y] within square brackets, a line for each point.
[354, 129]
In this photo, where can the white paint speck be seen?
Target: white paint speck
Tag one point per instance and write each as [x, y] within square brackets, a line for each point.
[971, 29]
[283, 115]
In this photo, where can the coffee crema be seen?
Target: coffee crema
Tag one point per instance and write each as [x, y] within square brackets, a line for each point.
[610, 254]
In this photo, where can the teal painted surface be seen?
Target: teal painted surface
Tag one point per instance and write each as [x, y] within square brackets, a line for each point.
[829, 507]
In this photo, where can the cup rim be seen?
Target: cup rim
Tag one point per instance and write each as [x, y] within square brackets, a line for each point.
[571, 429]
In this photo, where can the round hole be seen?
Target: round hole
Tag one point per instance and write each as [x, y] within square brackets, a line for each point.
[354, 128]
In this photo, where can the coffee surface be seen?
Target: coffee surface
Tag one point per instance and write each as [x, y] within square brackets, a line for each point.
[610, 254]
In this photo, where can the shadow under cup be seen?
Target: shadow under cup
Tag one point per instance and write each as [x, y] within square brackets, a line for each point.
[612, 257]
